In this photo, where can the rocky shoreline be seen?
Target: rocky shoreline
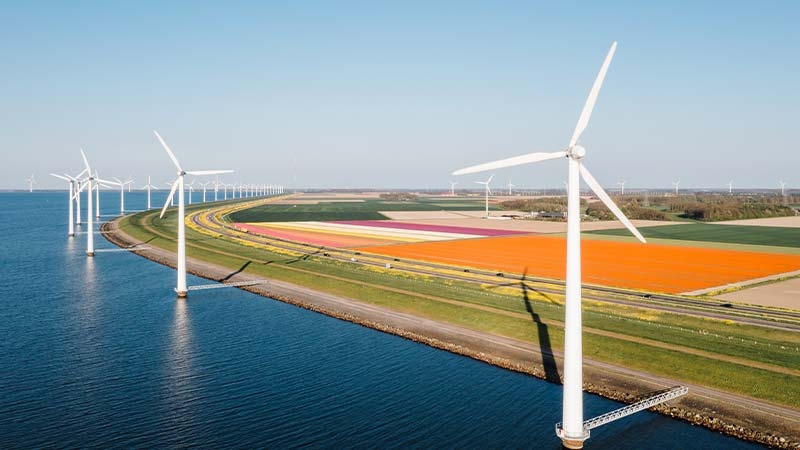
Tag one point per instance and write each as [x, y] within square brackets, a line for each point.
[715, 414]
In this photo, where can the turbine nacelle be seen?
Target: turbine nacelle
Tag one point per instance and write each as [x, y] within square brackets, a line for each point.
[576, 152]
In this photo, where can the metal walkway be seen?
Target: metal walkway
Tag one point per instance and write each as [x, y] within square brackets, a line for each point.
[625, 411]
[223, 285]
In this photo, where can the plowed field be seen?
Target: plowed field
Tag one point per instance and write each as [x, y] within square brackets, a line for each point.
[651, 267]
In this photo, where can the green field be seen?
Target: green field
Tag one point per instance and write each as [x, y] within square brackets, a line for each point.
[707, 232]
[527, 315]
[355, 210]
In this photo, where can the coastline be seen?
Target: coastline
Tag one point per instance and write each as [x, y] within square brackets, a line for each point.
[748, 419]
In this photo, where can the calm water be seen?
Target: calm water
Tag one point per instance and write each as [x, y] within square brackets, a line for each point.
[98, 353]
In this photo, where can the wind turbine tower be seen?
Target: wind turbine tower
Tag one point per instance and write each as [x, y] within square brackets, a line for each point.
[89, 193]
[30, 182]
[571, 430]
[621, 187]
[453, 188]
[488, 192]
[149, 186]
[181, 288]
[730, 187]
[676, 183]
[70, 224]
[509, 187]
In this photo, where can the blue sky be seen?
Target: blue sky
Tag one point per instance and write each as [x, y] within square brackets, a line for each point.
[400, 94]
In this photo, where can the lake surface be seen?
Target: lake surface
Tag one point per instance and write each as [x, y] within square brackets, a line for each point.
[98, 353]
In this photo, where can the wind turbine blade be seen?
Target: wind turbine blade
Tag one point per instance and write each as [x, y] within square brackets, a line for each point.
[513, 161]
[117, 180]
[583, 121]
[59, 176]
[169, 152]
[169, 197]
[489, 180]
[106, 181]
[208, 172]
[603, 196]
[86, 162]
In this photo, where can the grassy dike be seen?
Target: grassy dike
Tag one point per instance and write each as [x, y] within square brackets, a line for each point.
[737, 358]
[747, 360]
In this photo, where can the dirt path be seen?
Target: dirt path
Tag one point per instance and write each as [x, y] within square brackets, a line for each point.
[741, 416]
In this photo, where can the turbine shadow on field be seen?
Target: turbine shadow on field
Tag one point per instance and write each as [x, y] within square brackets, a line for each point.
[233, 274]
[548, 360]
[306, 256]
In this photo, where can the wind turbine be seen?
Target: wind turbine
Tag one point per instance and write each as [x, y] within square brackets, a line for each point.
[783, 188]
[30, 182]
[510, 186]
[181, 288]
[453, 188]
[621, 187]
[730, 187]
[676, 183]
[71, 197]
[572, 432]
[121, 185]
[488, 191]
[90, 228]
[191, 190]
[204, 190]
[149, 186]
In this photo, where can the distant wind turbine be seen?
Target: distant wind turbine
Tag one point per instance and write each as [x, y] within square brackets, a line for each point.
[122, 185]
[149, 186]
[453, 188]
[181, 288]
[89, 223]
[70, 197]
[676, 183]
[783, 186]
[510, 186]
[730, 187]
[621, 187]
[31, 181]
[571, 430]
[488, 191]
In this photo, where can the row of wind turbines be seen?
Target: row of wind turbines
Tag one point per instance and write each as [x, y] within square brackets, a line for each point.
[621, 187]
[89, 183]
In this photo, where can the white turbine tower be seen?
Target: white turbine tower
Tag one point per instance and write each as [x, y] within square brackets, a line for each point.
[453, 188]
[181, 288]
[488, 191]
[31, 181]
[149, 186]
[121, 185]
[783, 188]
[510, 186]
[78, 189]
[571, 431]
[676, 183]
[90, 227]
[205, 185]
[621, 187]
[730, 187]
[71, 197]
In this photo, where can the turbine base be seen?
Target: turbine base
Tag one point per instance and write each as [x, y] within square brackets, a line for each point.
[89, 253]
[571, 442]
[181, 294]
